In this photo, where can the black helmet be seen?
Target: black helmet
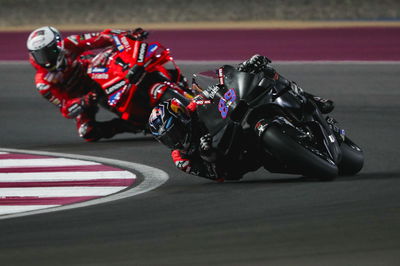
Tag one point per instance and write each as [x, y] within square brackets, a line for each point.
[170, 124]
[45, 46]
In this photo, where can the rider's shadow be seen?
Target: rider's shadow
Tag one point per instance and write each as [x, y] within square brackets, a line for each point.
[384, 175]
[129, 139]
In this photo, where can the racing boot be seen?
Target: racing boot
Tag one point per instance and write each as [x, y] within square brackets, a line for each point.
[324, 105]
[93, 130]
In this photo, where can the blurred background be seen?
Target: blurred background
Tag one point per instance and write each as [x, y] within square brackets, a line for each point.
[25, 14]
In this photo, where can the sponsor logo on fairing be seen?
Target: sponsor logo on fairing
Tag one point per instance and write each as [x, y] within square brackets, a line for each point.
[115, 87]
[142, 52]
[261, 126]
[211, 91]
[224, 103]
[118, 43]
[113, 99]
[157, 90]
[151, 49]
[221, 76]
[100, 76]
[98, 70]
[126, 43]
[87, 36]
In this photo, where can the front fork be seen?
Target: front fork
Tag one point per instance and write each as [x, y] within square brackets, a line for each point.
[329, 139]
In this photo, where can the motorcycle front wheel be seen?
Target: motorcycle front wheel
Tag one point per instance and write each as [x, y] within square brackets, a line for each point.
[296, 157]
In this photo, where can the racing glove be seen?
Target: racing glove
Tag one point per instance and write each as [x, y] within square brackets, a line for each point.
[255, 64]
[74, 107]
[207, 152]
[139, 34]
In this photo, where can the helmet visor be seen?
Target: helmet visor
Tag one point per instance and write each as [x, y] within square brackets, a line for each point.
[47, 56]
[175, 135]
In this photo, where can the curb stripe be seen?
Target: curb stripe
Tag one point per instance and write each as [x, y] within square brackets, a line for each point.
[88, 168]
[18, 201]
[64, 176]
[44, 162]
[90, 183]
[57, 191]
[21, 201]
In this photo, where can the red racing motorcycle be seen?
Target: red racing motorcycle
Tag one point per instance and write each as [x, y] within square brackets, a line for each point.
[134, 76]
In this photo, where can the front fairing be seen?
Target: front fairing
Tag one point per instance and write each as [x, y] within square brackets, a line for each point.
[110, 68]
[235, 87]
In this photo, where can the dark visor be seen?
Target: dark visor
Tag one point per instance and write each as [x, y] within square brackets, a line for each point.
[47, 56]
[175, 137]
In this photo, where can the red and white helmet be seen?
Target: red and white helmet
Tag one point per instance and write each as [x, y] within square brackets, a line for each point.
[46, 48]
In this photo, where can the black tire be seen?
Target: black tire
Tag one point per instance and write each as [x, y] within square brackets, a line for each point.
[352, 158]
[297, 157]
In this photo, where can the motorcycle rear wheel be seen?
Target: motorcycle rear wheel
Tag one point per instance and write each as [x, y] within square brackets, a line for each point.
[352, 158]
[297, 157]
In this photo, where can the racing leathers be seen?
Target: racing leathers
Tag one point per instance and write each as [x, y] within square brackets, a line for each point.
[73, 92]
[201, 159]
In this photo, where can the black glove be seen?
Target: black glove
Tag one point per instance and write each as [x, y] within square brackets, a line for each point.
[139, 34]
[255, 64]
[207, 153]
[205, 142]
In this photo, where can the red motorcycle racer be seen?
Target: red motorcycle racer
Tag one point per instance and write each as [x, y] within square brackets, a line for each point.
[61, 77]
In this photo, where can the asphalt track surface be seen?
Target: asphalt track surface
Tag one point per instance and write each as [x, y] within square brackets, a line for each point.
[265, 219]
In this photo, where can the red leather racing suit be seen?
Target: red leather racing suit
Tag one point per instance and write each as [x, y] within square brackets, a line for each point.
[70, 88]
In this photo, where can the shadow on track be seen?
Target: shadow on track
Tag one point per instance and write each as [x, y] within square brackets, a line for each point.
[302, 179]
[372, 176]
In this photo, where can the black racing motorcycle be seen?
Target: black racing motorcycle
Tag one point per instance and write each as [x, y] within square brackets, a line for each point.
[295, 137]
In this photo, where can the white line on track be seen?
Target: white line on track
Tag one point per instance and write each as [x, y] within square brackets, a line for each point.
[64, 176]
[48, 162]
[153, 178]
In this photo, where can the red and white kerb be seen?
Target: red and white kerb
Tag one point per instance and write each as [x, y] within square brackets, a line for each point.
[31, 182]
